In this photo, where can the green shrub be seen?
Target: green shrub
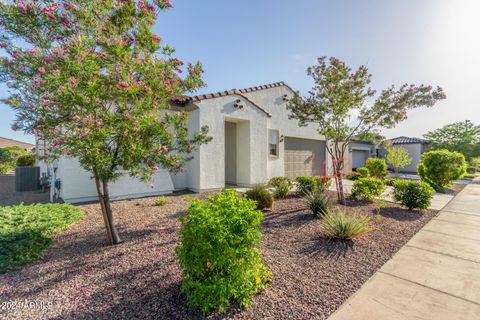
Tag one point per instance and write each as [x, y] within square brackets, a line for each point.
[280, 192]
[390, 181]
[282, 186]
[363, 172]
[367, 189]
[262, 196]
[27, 160]
[306, 184]
[161, 201]
[26, 231]
[352, 176]
[413, 194]
[322, 183]
[345, 226]
[377, 168]
[219, 252]
[440, 168]
[318, 203]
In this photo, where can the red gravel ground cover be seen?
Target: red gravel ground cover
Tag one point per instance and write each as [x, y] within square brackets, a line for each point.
[80, 277]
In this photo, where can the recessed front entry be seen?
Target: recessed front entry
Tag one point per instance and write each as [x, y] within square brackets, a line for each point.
[237, 152]
[230, 153]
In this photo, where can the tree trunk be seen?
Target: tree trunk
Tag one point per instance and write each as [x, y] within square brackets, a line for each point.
[104, 199]
[341, 192]
[337, 173]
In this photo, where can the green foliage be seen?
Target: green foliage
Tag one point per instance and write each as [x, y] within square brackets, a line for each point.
[363, 172]
[463, 137]
[398, 158]
[282, 186]
[318, 203]
[352, 176]
[390, 181]
[161, 201]
[338, 92]
[219, 252]
[345, 226]
[261, 196]
[9, 157]
[475, 162]
[306, 184]
[26, 231]
[440, 168]
[377, 168]
[413, 194]
[26, 160]
[366, 189]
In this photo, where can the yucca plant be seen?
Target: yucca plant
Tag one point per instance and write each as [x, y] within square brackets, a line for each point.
[318, 203]
[345, 226]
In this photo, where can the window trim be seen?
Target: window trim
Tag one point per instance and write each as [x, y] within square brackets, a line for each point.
[277, 144]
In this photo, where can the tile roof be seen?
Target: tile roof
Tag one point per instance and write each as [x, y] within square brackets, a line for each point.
[7, 142]
[408, 140]
[239, 92]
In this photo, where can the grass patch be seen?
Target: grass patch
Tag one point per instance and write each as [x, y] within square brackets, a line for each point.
[26, 231]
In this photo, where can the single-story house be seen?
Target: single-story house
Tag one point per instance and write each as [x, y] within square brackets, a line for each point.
[415, 147]
[6, 142]
[253, 141]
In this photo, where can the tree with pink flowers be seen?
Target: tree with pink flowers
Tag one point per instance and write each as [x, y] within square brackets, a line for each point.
[92, 80]
[343, 106]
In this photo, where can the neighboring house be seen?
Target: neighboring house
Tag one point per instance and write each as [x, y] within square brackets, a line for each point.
[415, 147]
[6, 142]
[253, 141]
[358, 153]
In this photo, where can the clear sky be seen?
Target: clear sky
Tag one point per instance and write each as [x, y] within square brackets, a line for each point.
[253, 42]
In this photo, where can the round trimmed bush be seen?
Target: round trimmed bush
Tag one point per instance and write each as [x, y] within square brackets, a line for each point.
[363, 172]
[219, 252]
[282, 186]
[439, 168]
[377, 167]
[306, 184]
[261, 196]
[413, 194]
[367, 189]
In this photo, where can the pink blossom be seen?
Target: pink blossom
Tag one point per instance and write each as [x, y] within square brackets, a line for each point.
[41, 70]
[22, 7]
[156, 38]
[168, 3]
[48, 59]
[123, 84]
[73, 82]
[32, 106]
[32, 51]
[164, 149]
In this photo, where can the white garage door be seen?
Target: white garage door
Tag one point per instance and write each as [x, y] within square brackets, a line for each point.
[358, 158]
[298, 163]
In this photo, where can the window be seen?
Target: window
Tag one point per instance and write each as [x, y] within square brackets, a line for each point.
[273, 143]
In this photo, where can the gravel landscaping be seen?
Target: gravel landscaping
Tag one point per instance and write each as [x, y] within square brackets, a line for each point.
[81, 277]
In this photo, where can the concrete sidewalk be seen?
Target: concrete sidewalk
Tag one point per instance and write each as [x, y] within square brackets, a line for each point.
[436, 275]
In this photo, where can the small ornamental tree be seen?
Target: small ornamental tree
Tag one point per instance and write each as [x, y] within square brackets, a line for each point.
[398, 158]
[338, 93]
[93, 81]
